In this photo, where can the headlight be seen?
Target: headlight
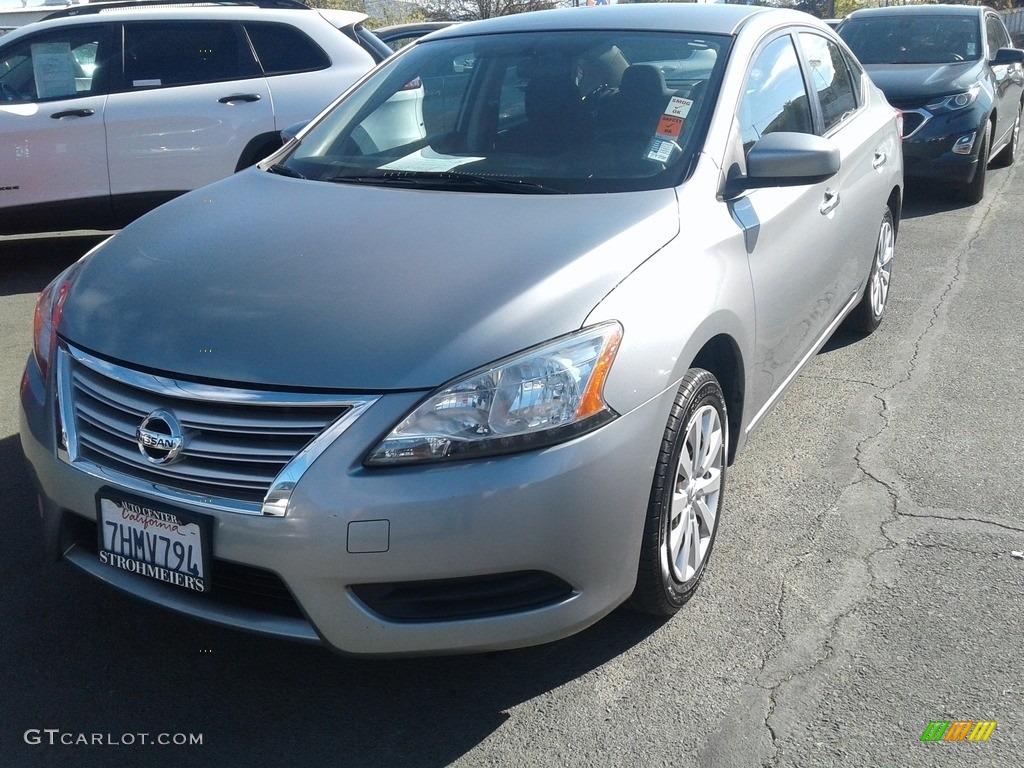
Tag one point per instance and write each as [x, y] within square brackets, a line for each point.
[543, 396]
[49, 305]
[955, 101]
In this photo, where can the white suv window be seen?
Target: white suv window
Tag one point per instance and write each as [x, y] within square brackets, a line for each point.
[171, 53]
[61, 64]
[283, 50]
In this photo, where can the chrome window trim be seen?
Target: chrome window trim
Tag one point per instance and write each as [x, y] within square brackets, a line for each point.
[275, 502]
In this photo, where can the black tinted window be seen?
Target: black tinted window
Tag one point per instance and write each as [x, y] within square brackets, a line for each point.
[282, 49]
[162, 54]
[996, 34]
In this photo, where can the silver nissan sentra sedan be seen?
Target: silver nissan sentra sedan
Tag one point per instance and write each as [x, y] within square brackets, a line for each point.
[463, 365]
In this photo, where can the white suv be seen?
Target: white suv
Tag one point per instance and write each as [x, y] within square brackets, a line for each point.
[108, 112]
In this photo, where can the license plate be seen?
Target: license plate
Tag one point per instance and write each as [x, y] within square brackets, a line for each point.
[153, 540]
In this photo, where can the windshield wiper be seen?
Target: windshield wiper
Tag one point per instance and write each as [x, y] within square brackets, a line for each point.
[446, 179]
[284, 170]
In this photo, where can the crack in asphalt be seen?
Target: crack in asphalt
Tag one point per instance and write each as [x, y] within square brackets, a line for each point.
[957, 519]
[870, 474]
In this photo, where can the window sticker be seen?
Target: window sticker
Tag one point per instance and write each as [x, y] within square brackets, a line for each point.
[54, 70]
[970, 49]
[678, 107]
[663, 147]
[146, 83]
[661, 151]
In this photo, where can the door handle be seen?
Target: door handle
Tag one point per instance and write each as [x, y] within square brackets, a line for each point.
[73, 113]
[830, 202]
[239, 97]
[879, 160]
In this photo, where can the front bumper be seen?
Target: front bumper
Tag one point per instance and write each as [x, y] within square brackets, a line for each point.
[928, 152]
[570, 515]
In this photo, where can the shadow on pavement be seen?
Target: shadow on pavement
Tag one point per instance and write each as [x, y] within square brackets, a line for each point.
[83, 658]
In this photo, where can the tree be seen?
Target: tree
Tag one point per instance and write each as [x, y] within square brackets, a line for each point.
[465, 10]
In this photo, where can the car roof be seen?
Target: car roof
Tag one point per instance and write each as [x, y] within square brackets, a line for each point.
[186, 11]
[919, 10]
[677, 17]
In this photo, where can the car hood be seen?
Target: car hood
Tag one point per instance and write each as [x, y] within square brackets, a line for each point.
[900, 82]
[264, 279]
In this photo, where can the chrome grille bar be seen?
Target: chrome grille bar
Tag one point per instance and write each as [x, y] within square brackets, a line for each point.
[244, 451]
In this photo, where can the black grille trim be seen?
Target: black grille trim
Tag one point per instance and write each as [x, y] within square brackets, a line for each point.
[464, 598]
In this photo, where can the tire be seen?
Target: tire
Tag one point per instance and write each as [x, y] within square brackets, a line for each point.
[684, 509]
[867, 315]
[974, 191]
[1008, 153]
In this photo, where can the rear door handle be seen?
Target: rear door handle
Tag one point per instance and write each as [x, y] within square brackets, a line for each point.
[73, 113]
[830, 202]
[879, 160]
[240, 97]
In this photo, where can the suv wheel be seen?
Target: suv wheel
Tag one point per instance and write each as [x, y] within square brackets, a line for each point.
[974, 190]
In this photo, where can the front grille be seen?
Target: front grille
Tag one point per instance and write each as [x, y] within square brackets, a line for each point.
[236, 442]
[911, 122]
[466, 598]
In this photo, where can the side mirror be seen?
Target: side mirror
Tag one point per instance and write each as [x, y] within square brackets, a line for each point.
[1005, 56]
[292, 131]
[787, 160]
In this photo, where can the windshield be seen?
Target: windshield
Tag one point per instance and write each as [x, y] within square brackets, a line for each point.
[926, 39]
[561, 112]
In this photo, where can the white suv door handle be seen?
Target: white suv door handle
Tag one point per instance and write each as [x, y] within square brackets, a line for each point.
[239, 97]
[73, 113]
[879, 160]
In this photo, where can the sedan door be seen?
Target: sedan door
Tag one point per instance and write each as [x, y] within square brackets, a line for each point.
[868, 150]
[52, 136]
[791, 232]
[192, 99]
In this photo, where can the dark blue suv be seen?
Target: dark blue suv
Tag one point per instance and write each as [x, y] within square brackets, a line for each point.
[952, 71]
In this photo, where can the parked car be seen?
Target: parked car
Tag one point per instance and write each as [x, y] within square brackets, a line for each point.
[953, 72]
[397, 36]
[105, 115]
[475, 390]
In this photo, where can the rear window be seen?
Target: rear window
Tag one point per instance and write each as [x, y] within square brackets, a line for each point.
[282, 49]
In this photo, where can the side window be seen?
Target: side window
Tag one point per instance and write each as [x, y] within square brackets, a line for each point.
[164, 54]
[774, 97]
[830, 78]
[61, 64]
[282, 49]
[996, 34]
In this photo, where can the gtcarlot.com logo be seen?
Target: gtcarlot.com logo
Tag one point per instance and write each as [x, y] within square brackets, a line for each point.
[56, 737]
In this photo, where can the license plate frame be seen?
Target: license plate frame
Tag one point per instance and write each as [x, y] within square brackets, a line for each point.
[154, 540]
